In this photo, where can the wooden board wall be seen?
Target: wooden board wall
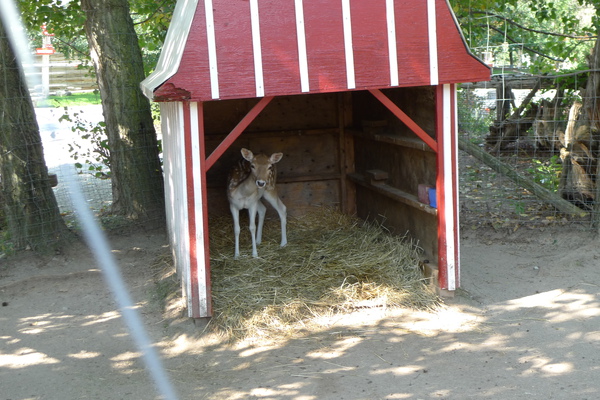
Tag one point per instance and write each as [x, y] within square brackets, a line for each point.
[326, 135]
[304, 128]
[384, 143]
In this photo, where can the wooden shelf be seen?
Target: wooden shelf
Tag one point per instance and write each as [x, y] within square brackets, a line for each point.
[279, 133]
[414, 143]
[293, 179]
[392, 192]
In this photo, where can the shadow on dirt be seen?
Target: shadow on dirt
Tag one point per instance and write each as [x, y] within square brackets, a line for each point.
[524, 326]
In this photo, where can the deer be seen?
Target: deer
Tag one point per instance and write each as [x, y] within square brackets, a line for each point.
[251, 180]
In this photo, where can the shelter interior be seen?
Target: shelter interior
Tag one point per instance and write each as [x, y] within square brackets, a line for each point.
[343, 150]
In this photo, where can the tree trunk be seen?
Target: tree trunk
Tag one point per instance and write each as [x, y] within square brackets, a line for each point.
[590, 118]
[580, 150]
[31, 210]
[137, 181]
[510, 127]
[549, 130]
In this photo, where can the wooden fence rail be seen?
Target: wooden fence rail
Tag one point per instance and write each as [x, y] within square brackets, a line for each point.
[65, 75]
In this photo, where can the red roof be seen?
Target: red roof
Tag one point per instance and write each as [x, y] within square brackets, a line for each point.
[255, 48]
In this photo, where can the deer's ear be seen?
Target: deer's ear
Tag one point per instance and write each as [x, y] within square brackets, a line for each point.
[247, 154]
[275, 158]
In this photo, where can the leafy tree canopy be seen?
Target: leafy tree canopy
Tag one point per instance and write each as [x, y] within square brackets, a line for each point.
[65, 19]
[545, 36]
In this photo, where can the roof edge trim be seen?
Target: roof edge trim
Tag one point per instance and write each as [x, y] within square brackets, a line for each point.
[464, 40]
[172, 51]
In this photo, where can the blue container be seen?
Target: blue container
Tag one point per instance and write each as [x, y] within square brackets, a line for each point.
[432, 198]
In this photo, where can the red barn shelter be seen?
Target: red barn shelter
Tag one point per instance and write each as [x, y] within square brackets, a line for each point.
[359, 95]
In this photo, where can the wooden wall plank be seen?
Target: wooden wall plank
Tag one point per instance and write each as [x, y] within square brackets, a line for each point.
[325, 41]
[370, 40]
[279, 47]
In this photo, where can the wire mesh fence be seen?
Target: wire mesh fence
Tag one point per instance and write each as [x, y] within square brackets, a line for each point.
[71, 131]
[538, 171]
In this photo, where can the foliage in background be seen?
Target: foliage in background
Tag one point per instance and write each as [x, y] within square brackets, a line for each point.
[72, 100]
[94, 160]
[546, 173]
[474, 115]
[545, 34]
[66, 20]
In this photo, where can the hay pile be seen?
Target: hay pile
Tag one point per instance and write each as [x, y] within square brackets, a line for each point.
[332, 264]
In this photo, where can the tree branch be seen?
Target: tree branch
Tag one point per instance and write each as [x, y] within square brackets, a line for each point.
[525, 47]
[72, 47]
[510, 21]
[151, 15]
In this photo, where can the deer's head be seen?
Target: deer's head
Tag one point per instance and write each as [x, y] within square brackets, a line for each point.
[262, 168]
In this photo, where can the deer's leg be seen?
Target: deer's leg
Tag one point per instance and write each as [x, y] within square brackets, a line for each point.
[235, 212]
[252, 226]
[278, 205]
[261, 220]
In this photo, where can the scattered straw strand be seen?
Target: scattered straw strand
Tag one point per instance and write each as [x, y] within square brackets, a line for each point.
[332, 264]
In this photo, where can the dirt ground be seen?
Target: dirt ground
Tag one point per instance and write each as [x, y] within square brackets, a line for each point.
[525, 325]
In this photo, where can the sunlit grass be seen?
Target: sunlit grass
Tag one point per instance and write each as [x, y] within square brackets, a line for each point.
[75, 99]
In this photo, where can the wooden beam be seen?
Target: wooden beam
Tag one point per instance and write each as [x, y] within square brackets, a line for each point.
[401, 115]
[411, 142]
[237, 131]
[541, 192]
[392, 193]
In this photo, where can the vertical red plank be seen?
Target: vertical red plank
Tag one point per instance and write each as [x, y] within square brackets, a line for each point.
[454, 58]
[447, 187]
[440, 190]
[455, 172]
[205, 219]
[370, 42]
[235, 56]
[325, 45]
[412, 42]
[279, 47]
[189, 185]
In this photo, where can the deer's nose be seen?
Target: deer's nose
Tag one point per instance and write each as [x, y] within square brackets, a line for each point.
[260, 183]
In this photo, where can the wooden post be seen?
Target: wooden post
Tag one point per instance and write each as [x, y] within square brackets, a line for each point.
[447, 189]
[541, 192]
[346, 155]
[198, 287]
